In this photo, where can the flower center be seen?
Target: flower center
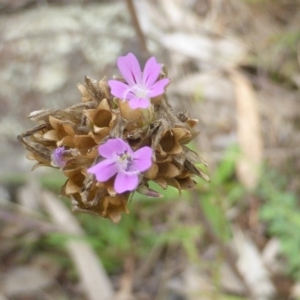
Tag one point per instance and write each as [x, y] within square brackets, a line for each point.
[141, 91]
[125, 161]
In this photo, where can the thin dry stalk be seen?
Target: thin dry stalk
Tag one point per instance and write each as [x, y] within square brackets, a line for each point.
[222, 248]
[148, 264]
[137, 27]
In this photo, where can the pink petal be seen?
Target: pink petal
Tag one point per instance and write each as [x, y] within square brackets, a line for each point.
[113, 147]
[158, 88]
[142, 159]
[118, 88]
[104, 170]
[57, 159]
[126, 182]
[151, 72]
[135, 103]
[130, 69]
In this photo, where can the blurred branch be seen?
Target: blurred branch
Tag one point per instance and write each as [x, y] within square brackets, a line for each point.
[137, 27]
[222, 248]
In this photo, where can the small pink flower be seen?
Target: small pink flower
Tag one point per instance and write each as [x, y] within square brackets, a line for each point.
[121, 160]
[140, 87]
[57, 159]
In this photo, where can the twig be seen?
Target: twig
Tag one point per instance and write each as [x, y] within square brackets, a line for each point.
[222, 248]
[137, 27]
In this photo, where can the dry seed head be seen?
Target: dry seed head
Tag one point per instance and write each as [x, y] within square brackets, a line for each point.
[81, 128]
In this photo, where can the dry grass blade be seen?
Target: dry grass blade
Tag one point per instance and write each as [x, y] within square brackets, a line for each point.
[248, 131]
[94, 278]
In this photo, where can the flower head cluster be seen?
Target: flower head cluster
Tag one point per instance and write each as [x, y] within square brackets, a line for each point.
[121, 160]
[109, 149]
[139, 87]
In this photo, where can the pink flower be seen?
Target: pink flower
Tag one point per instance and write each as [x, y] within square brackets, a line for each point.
[140, 87]
[57, 159]
[121, 160]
